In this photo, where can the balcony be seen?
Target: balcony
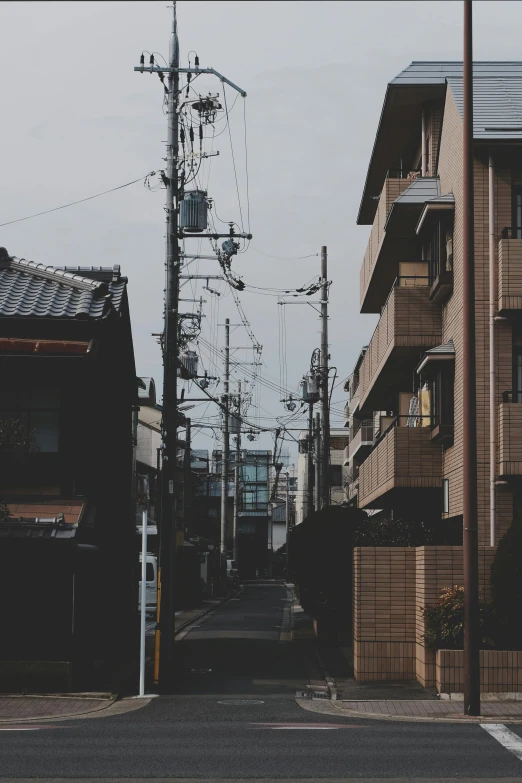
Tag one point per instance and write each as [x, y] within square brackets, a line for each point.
[509, 272]
[352, 484]
[510, 435]
[403, 461]
[409, 324]
[393, 187]
[361, 441]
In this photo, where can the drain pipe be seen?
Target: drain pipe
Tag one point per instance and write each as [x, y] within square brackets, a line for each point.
[423, 143]
[492, 360]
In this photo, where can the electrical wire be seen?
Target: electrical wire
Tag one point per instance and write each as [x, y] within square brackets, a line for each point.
[80, 201]
[233, 157]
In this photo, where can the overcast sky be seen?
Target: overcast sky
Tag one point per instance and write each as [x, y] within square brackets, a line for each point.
[77, 120]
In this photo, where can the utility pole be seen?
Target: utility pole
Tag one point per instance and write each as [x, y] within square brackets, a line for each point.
[187, 478]
[225, 451]
[310, 461]
[469, 456]
[236, 480]
[164, 667]
[317, 461]
[164, 653]
[287, 526]
[325, 402]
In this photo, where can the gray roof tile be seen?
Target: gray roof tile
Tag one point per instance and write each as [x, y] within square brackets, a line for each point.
[36, 290]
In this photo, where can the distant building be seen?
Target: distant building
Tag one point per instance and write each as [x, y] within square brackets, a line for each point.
[337, 472]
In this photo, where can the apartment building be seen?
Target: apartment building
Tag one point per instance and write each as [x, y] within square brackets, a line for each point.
[338, 473]
[405, 409]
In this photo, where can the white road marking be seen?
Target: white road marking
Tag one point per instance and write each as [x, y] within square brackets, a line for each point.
[505, 736]
[305, 726]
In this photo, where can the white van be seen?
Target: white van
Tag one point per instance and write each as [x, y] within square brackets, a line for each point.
[232, 574]
[151, 585]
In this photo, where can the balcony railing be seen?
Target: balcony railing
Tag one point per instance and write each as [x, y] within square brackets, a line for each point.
[403, 457]
[361, 440]
[510, 270]
[510, 438]
[392, 189]
[409, 322]
[403, 173]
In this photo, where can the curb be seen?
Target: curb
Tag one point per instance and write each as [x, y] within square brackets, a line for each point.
[331, 687]
[415, 718]
[54, 718]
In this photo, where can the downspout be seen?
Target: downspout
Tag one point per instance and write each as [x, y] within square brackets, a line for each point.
[492, 359]
[423, 143]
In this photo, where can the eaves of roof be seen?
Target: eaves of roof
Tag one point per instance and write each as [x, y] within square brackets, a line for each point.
[29, 289]
[498, 112]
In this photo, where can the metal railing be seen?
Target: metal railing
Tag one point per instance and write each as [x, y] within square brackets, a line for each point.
[414, 421]
[357, 425]
[403, 173]
[510, 232]
[513, 395]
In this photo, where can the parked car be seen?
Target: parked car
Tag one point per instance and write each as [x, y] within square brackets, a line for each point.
[151, 585]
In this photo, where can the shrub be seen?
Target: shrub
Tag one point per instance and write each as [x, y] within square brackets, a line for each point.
[506, 587]
[445, 621]
[321, 562]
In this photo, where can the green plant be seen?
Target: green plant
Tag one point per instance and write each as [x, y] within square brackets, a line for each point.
[506, 587]
[406, 530]
[445, 621]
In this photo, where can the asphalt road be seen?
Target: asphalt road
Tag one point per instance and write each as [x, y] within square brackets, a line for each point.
[234, 716]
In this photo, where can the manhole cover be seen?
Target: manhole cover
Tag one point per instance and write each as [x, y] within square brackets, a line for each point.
[240, 701]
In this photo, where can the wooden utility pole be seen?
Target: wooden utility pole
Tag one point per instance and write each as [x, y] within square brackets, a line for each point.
[325, 401]
[469, 455]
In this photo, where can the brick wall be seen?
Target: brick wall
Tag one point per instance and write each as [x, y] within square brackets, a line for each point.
[392, 585]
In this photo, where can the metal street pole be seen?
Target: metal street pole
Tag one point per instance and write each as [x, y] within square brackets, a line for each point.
[325, 402]
[317, 461]
[236, 481]
[225, 451]
[143, 599]
[469, 456]
[310, 455]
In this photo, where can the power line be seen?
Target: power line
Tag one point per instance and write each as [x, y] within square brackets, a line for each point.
[80, 201]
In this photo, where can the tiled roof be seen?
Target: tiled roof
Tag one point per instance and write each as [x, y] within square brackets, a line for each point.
[497, 106]
[31, 289]
[426, 73]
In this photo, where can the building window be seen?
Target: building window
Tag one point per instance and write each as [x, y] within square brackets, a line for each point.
[516, 198]
[38, 409]
[445, 496]
[338, 444]
[442, 404]
[438, 248]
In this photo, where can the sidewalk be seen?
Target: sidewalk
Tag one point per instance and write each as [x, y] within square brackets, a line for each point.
[401, 700]
[24, 708]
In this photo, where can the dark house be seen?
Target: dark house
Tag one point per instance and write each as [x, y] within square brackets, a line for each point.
[68, 570]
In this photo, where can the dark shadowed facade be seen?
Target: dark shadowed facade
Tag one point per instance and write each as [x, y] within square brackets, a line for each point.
[67, 549]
